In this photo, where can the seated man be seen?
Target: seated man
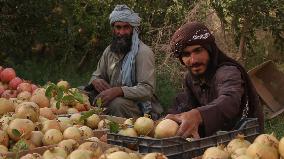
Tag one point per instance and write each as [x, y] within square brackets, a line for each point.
[125, 74]
[219, 92]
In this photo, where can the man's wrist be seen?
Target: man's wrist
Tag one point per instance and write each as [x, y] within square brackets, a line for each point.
[119, 91]
[198, 115]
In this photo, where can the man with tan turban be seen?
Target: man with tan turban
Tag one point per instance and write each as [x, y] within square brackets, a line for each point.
[219, 93]
[125, 74]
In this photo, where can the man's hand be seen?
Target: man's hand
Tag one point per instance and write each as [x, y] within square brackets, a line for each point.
[189, 123]
[100, 85]
[109, 94]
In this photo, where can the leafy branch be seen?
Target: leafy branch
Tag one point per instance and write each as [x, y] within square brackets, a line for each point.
[63, 95]
[96, 110]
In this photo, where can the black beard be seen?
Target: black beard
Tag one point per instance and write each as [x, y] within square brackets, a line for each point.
[121, 44]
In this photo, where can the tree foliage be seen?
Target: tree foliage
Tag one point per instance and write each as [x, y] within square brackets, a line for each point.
[39, 38]
[245, 17]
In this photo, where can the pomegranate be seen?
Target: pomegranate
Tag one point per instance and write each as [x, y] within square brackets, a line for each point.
[118, 155]
[243, 157]
[143, 125]
[94, 147]
[6, 106]
[81, 107]
[72, 111]
[51, 137]
[24, 126]
[47, 113]
[9, 94]
[39, 91]
[129, 121]
[28, 110]
[2, 89]
[75, 118]
[86, 132]
[5, 120]
[3, 149]
[50, 124]
[268, 139]
[55, 153]
[238, 142]
[7, 74]
[41, 100]
[42, 119]
[4, 85]
[239, 152]
[113, 149]
[81, 154]
[4, 138]
[34, 87]
[72, 133]
[215, 152]
[25, 86]
[32, 156]
[13, 84]
[24, 96]
[135, 156]
[281, 147]
[155, 155]
[62, 109]
[28, 143]
[69, 145]
[85, 99]
[162, 129]
[103, 124]
[16, 101]
[263, 151]
[128, 132]
[93, 121]
[93, 139]
[63, 84]
[36, 138]
[64, 123]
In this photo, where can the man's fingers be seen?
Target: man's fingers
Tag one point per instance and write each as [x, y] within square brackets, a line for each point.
[174, 118]
[184, 128]
[105, 85]
[195, 134]
[98, 86]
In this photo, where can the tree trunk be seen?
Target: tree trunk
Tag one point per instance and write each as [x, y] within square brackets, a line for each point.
[242, 51]
[242, 44]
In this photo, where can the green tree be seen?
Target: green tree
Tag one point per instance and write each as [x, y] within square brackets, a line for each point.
[244, 17]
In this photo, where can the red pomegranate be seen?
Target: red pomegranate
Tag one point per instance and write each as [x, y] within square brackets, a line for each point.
[7, 74]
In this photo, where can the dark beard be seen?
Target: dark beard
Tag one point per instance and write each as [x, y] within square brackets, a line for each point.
[121, 44]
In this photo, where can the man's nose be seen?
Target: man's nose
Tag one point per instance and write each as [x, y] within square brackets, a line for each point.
[122, 31]
[190, 60]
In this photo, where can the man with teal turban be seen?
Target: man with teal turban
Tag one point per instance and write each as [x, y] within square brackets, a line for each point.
[125, 75]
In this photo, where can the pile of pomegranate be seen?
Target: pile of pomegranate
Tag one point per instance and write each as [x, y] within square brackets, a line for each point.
[19, 90]
[265, 146]
[145, 126]
[71, 149]
[11, 85]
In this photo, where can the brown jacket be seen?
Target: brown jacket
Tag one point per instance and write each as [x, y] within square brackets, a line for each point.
[220, 100]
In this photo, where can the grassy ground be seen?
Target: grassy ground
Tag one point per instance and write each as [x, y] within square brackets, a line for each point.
[275, 125]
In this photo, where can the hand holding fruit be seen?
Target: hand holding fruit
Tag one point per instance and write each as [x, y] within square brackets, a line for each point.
[189, 123]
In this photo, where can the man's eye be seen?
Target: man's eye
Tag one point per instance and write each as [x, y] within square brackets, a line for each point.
[199, 49]
[186, 54]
